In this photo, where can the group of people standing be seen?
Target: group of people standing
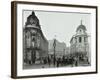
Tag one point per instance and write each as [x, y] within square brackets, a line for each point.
[60, 61]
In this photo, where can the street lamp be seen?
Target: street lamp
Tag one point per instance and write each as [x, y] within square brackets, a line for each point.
[54, 45]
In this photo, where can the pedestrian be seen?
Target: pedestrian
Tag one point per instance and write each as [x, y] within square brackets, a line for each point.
[58, 62]
[49, 61]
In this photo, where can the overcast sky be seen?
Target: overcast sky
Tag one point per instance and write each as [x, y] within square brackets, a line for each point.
[61, 24]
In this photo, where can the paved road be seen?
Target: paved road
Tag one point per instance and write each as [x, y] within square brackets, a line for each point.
[38, 66]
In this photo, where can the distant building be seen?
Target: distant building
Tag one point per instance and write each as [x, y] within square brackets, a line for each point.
[35, 44]
[60, 49]
[67, 51]
[79, 43]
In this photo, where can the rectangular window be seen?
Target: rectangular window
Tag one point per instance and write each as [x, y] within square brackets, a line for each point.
[80, 39]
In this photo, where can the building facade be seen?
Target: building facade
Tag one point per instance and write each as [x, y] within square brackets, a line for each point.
[60, 49]
[35, 45]
[79, 44]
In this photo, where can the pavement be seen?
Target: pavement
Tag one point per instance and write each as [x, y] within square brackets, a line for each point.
[38, 66]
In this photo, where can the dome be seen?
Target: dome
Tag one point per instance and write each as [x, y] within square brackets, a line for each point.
[32, 19]
[81, 26]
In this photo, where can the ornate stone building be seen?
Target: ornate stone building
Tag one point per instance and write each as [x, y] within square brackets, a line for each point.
[79, 44]
[35, 45]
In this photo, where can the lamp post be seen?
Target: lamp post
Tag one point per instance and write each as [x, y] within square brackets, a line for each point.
[64, 52]
[54, 46]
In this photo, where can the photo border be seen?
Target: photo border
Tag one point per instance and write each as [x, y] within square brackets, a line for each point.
[14, 37]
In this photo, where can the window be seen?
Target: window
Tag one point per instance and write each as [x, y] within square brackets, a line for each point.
[80, 39]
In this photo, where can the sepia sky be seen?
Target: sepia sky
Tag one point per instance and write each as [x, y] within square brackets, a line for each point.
[61, 24]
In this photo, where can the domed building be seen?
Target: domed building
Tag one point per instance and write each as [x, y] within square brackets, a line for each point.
[34, 42]
[79, 44]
